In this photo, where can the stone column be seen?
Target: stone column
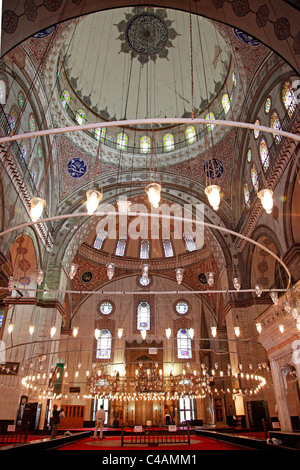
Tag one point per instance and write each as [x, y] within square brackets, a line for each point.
[280, 395]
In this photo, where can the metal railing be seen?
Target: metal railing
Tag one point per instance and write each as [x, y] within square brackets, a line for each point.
[10, 434]
[155, 435]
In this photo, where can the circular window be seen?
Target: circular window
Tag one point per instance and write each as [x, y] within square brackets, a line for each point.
[144, 281]
[182, 307]
[106, 308]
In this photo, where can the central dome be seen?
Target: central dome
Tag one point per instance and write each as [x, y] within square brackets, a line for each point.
[130, 64]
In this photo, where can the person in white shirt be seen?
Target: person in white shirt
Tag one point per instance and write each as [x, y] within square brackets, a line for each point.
[100, 418]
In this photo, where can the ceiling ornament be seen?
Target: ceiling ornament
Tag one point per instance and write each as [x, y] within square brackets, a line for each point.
[146, 35]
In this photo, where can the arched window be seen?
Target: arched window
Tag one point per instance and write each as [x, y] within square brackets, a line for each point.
[168, 142]
[40, 151]
[2, 91]
[209, 116]
[145, 144]
[21, 99]
[184, 344]
[189, 242]
[143, 316]
[144, 249]
[268, 105]
[122, 141]
[101, 236]
[226, 103]
[249, 155]
[100, 133]
[104, 345]
[168, 249]
[65, 98]
[256, 131]
[254, 178]
[32, 123]
[264, 154]
[247, 195]
[121, 245]
[288, 98]
[190, 135]
[234, 82]
[275, 124]
[80, 117]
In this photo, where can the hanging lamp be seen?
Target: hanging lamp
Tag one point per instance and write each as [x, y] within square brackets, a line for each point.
[93, 199]
[153, 189]
[37, 205]
[179, 275]
[266, 198]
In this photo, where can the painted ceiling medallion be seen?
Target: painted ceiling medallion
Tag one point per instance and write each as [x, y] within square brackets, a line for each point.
[147, 35]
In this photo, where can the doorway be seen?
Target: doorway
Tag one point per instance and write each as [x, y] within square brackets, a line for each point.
[257, 412]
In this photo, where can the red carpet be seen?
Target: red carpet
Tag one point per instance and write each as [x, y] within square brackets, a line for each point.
[112, 443]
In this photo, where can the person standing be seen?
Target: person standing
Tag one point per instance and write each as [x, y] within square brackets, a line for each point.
[55, 420]
[100, 418]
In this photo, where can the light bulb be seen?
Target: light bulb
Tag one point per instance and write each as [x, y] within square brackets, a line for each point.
[266, 197]
[258, 327]
[75, 331]
[274, 296]
[31, 329]
[52, 331]
[281, 328]
[120, 332]
[10, 283]
[145, 271]
[287, 307]
[39, 276]
[168, 332]
[153, 191]
[213, 195]
[73, 270]
[37, 205]
[93, 199]
[10, 328]
[191, 332]
[237, 331]
[236, 283]
[143, 333]
[179, 275]
[110, 269]
[210, 278]
[214, 331]
[258, 290]
[97, 333]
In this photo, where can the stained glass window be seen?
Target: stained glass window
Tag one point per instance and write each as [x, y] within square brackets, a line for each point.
[184, 344]
[264, 154]
[145, 144]
[106, 308]
[254, 178]
[209, 116]
[2, 91]
[268, 105]
[144, 249]
[190, 135]
[275, 124]
[182, 307]
[234, 79]
[32, 123]
[101, 236]
[256, 131]
[144, 281]
[249, 155]
[65, 98]
[100, 133]
[104, 345]
[168, 142]
[246, 194]
[168, 249]
[189, 242]
[121, 245]
[21, 99]
[1, 315]
[122, 141]
[40, 151]
[288, 98]
[143, 316]
[24, 149]
[80, 117]
[226, 103]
